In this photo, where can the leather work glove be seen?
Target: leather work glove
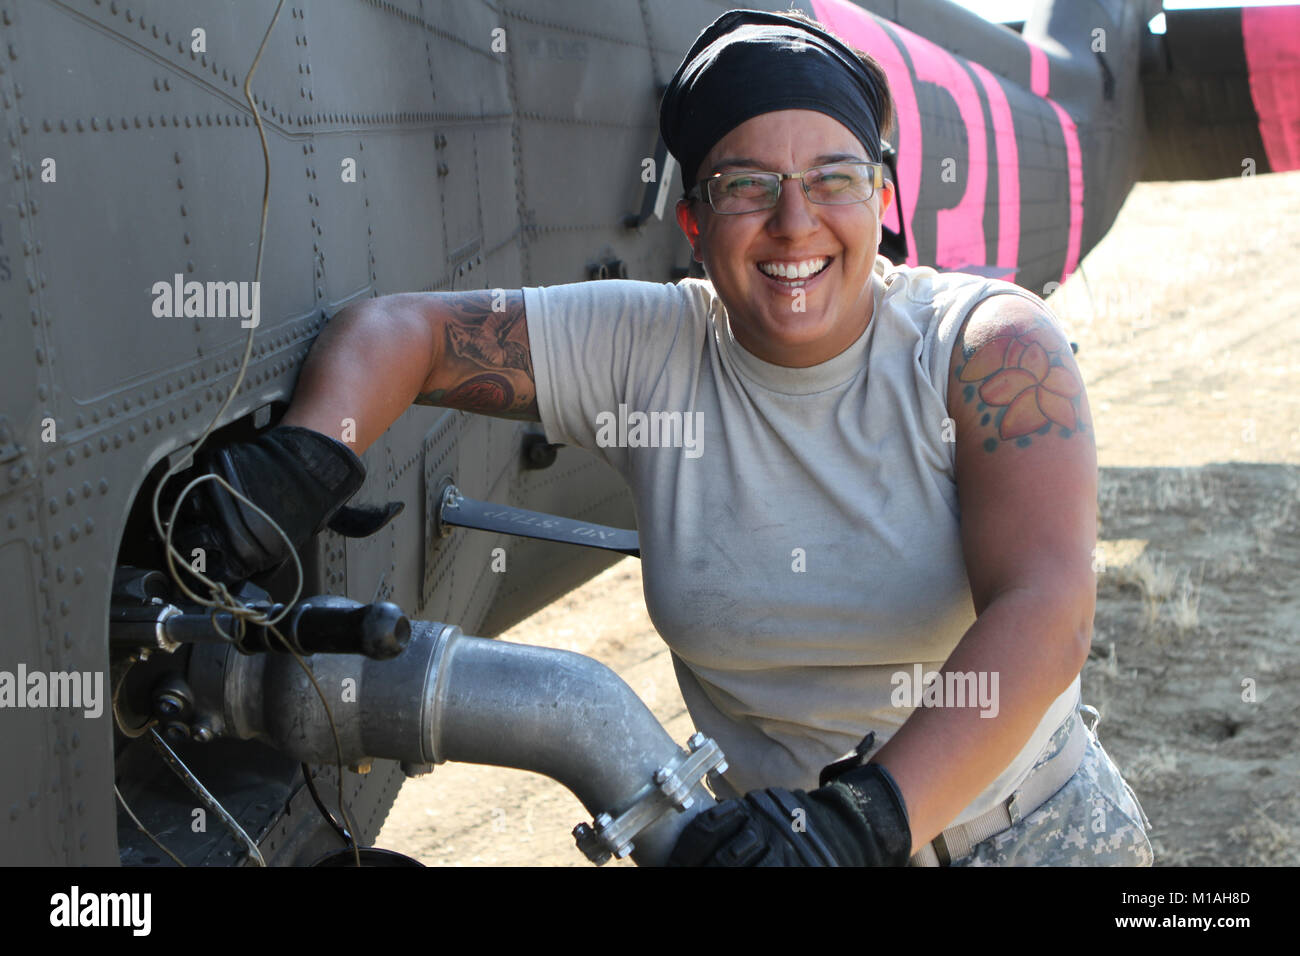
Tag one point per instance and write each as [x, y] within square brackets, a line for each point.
[858, 820]
[298, 476]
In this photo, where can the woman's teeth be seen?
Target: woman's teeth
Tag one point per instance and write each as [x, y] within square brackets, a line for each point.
[791, 271]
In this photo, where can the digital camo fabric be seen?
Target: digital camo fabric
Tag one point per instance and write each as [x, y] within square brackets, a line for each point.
[1093, 820]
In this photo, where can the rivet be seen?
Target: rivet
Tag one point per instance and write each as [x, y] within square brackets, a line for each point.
[89, 525]
[78, 575]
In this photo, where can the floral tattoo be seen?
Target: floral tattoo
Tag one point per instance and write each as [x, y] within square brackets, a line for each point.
[1022, 384]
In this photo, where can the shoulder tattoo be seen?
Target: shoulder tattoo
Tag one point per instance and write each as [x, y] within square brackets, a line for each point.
[1023, 380]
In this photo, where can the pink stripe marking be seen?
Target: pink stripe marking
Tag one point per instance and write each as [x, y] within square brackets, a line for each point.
[1271, 39]
[960, 228]
[1074, 161]
[859, 29]
[1008, 160]
[1040, 79]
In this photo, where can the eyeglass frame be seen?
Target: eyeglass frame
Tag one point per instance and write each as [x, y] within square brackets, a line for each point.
[700, 189]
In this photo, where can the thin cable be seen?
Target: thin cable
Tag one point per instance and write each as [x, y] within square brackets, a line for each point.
[221, 596]
[320, 805]
[136, 820]
[334, 731]
[130, 732]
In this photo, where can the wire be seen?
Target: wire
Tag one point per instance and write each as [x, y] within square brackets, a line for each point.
[320, 805]
[130, 732]
[136, 820]
[220, 597]
[334, 731]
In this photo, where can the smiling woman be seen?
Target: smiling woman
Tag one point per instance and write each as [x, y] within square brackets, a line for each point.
[865, 436]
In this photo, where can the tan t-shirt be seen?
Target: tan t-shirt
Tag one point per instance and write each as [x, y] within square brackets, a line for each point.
[799, 527]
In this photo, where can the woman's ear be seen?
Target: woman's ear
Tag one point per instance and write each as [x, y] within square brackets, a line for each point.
[690, 225]
[886, 197]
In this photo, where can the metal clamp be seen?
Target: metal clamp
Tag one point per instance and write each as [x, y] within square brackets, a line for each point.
[670, 789]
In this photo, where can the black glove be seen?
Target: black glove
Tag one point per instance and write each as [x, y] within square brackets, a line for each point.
[298, 476]
[859, 820]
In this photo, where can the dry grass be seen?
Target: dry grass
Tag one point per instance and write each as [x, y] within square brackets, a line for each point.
[1169, 593]
[1270, 842]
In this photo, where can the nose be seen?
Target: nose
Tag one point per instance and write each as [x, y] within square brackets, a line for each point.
[794, 213]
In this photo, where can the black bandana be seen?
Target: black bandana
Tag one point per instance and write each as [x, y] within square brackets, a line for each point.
[749, 62]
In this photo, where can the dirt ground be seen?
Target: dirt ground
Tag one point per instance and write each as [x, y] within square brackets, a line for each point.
[1190, 348]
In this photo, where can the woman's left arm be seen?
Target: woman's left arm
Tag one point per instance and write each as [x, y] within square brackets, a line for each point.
[1026, 472]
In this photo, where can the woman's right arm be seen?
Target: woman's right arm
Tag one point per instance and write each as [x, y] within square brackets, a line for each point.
[463, 350]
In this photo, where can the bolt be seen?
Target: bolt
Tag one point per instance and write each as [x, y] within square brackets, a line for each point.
[603, 821]
[203, 733]
[696, 741]
[661, 775]
[169, 705]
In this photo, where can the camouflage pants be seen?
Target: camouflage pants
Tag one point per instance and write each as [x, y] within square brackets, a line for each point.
[1093, 820]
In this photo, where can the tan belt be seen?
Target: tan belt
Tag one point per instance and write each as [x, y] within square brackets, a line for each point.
[957, 842]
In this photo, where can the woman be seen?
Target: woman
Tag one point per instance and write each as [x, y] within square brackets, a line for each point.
[895, 478]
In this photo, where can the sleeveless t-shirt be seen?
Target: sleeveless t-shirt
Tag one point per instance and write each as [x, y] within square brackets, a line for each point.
[799, 527]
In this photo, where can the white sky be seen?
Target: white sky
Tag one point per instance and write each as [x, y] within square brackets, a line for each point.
[1012, 10]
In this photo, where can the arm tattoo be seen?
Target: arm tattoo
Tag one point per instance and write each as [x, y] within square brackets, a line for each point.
[1023, 382]
[485, 353]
